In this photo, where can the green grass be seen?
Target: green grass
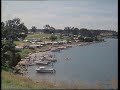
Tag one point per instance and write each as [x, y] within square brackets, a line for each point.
[20, 43]
[25, 52]
[40, 36]
[12, 81]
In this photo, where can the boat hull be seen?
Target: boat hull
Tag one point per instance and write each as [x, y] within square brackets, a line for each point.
[46, 71]
[43, 63]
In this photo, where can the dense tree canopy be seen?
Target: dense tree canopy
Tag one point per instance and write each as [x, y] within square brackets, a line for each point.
[9, 56]
[72, 30]
[85, 32]
[12, 29]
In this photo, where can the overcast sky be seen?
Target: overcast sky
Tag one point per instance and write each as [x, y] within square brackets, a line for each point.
[91, 14]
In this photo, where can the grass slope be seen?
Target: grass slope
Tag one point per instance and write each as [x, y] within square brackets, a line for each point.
[12, 81]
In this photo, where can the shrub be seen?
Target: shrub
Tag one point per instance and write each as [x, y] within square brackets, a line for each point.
[53, 37]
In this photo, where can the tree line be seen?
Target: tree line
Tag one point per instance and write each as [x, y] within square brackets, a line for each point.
[72, 30]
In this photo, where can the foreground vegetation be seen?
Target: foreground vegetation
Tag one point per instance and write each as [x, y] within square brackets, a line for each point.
[12, 81]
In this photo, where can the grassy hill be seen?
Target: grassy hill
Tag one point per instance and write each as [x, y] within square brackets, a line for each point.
[12, 81]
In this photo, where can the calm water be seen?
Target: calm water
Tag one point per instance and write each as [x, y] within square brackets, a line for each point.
[87, 64]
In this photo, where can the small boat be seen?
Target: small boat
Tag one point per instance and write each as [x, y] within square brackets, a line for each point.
[42, 62]
[45, 70]
[51, 59]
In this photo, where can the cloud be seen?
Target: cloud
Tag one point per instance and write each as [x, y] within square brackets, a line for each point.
[63, 13]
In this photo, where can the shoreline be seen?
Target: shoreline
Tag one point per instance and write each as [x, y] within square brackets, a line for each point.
[47, 51]
[44, 52]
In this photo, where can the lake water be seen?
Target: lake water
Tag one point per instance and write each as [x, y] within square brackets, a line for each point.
[87, 64]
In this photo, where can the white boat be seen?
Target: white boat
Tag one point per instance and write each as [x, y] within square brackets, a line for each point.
[42, 62]
[45, 70]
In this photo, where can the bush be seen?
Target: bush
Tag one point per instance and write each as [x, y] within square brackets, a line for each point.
[53, 37]
[17, 59]
[5, 68]
[25, 52]
[9, 56]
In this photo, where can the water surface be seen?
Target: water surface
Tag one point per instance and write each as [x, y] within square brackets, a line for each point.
[87, 64]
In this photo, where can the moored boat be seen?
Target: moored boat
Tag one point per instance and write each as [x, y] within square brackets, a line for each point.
[45, 70]
[42, 62]
[51, 59]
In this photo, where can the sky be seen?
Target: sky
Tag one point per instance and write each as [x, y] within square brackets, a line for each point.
[90, 14]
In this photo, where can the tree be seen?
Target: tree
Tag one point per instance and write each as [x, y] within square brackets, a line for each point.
[48, 29]
[13, 28]
[85, 32]
[75, 31]
[46, 26]
[7, 49]
[67, 30]
[3, 30]
[52, 29]
[23, 28]
[9, 56]
[34, 29]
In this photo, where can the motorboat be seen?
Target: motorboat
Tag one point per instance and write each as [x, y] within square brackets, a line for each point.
[45, 70]
[42, 62]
